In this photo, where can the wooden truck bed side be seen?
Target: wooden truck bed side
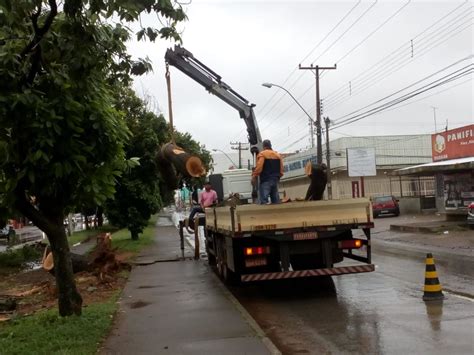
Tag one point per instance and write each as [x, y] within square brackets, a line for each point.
[300, 214]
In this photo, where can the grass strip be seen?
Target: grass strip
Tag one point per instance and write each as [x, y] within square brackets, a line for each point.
[123, 242]
[46, 332]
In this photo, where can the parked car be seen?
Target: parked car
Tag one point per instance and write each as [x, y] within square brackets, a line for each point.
[470, 215]
[382, 205]
[7, 232]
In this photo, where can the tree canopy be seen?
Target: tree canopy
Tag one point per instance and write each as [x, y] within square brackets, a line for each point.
[62, 135]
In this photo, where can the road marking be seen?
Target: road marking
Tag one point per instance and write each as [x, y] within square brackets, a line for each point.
[467, 298]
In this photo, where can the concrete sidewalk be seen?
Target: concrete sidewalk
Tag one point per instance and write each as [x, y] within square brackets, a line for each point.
[180, 307]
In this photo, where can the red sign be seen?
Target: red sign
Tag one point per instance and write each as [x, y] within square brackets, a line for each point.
[452, 144]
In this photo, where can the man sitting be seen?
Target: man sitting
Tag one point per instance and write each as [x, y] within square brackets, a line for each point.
[207, 199]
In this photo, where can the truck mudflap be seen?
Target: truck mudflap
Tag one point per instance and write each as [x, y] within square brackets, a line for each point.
[354, 269]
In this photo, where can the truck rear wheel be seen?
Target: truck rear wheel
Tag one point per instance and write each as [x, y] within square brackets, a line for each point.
[227, 275]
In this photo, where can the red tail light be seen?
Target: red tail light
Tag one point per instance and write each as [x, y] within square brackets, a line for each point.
[256, 251]
[350, 244]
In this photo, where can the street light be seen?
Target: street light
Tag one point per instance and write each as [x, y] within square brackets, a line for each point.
[311, 121]
[218, 150]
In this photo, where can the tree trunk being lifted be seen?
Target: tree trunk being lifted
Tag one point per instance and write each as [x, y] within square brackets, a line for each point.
[317, 174]
[182, 161]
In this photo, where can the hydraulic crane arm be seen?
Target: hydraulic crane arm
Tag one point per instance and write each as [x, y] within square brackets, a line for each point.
[184, 60]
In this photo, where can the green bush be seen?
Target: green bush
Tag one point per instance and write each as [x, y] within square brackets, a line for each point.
[18, 257]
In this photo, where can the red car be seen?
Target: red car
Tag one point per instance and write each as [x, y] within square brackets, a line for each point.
[382, 205]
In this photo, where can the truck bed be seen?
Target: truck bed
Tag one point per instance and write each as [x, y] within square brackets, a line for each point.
[292, 215]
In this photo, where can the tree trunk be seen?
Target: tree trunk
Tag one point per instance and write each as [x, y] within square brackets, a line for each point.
[100, 216]
[317, 174]
[69, 299]
[134, 235]
[49, 218]
[86, 222]
[185, 163]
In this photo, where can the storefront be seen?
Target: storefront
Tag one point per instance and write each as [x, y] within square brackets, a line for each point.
[452, 167]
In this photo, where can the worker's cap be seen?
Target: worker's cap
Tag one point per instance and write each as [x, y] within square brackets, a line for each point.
[267, 143]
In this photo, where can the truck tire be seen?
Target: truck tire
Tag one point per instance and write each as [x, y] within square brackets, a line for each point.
[227, 275]
[211, 258]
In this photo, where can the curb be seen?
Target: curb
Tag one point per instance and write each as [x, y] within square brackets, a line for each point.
[248, 318]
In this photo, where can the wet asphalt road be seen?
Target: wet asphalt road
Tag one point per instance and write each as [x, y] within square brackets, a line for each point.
[375, 313]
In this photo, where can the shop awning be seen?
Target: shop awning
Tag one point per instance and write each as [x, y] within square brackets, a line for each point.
[453, 165]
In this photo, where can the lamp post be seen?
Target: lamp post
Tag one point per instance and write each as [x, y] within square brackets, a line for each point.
[311, 121]
[218, 150]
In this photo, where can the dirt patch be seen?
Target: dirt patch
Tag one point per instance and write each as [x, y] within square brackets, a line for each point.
[36, 289]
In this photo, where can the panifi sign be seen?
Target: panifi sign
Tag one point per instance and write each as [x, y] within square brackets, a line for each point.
[452, 144]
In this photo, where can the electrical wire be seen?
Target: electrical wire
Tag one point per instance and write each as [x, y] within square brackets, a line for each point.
[377, 79]
[296, 68]
[406, 49]
[382, 61]
[403, 98]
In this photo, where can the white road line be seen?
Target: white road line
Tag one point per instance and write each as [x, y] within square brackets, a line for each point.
[459, 296]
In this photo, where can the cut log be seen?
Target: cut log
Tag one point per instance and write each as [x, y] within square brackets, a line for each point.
[79, 262]
[167, 172]
[7, 304]
[317, 174]
[185, 163]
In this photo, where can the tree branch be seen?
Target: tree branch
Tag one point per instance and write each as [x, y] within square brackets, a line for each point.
[34, 43]
[40, 31]
[28, 210]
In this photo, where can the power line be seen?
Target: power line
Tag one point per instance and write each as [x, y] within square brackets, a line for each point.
[380, 62]
[296, 67]
[406, 49]
[407, 87]
[327, 49]
[403, 98]
[376, 79]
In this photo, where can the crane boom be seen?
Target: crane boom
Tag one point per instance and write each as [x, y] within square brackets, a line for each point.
[184, 60]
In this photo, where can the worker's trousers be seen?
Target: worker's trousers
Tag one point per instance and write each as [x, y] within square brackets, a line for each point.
[269, 189]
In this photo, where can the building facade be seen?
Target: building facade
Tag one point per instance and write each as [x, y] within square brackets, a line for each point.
[452, 167]
[391, 153]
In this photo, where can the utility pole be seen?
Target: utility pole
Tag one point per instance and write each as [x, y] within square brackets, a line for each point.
[239, 146]
[319, 145]
[327, 121]
[434, 116]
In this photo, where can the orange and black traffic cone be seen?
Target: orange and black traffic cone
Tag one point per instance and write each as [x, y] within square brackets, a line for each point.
[432, 290]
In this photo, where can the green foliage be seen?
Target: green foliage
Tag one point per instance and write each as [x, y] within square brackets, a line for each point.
[138, 190]
[47, 333]
[18, 257]
[61, 134]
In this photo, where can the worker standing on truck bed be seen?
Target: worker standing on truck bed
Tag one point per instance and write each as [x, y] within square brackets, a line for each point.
[270, 169]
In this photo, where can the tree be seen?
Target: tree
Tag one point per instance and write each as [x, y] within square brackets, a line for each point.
[142, 191]
[61, 135]
[138, 192]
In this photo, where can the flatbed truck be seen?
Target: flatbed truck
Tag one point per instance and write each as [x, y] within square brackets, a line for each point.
[251, 242]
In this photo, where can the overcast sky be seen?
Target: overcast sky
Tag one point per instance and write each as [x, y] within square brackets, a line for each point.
[251, 42]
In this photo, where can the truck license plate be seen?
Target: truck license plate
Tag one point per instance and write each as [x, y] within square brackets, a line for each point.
[256, 261]
[305, 235]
